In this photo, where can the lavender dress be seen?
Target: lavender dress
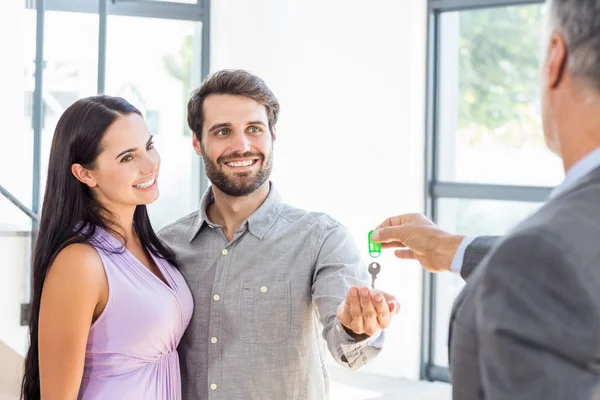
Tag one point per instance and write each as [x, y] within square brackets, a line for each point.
[132, 347]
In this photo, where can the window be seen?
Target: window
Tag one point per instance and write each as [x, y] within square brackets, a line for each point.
[158, 78]
[172, 38]
[490, 128]
[489, 166]
[99, 59]
[70, 72]
[469, 217]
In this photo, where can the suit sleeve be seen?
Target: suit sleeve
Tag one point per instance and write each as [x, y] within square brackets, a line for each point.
[475, 252]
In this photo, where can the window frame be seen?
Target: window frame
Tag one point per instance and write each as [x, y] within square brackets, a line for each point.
[436, 189]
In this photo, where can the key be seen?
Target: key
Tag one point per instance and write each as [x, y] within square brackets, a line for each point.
[374, 269]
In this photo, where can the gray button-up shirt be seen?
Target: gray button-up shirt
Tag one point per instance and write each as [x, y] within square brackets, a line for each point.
[263, 301]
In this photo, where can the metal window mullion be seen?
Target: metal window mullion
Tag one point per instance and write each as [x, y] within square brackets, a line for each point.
[148, 9]
[428, 296]
[102, 27]
[13, 199]
[156, 9]
[432, 211]
[476, 191]
[439, 373]
[37, 124]
[204, 72]
[205, 67]
[37, 114]
[82, 6]
[465, 5]
[436, 107]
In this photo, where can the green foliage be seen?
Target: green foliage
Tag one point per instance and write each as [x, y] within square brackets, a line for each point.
[179, 66]
[499, 52]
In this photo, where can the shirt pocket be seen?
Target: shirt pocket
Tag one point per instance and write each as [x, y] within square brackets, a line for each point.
[265, 312]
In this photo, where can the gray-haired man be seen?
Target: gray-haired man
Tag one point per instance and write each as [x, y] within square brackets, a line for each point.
[527, 324]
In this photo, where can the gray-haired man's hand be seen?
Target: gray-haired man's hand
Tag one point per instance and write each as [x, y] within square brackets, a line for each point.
[417, 238]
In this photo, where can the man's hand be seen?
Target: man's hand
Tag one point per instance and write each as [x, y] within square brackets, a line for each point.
[365, 312]
[418, 239]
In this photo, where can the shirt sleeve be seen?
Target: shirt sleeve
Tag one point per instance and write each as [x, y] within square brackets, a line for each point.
[339, 267]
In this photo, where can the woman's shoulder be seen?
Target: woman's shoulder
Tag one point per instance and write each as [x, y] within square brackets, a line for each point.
[76, 284]
[82, 251]
[79, 263]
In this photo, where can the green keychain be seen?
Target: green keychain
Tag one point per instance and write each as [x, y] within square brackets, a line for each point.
[374, 247]
[374, 267]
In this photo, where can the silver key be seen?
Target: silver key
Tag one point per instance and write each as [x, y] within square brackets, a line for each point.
[374, 269]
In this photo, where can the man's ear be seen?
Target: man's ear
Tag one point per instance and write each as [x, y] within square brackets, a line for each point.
[83, 175]
[197, 146]
[274, 133]
[556, 61]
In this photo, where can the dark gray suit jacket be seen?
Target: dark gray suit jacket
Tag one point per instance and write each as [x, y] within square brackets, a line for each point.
[527, 324]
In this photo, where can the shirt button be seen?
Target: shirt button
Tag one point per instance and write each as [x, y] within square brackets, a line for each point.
[213, 340]
[213, 386]
[216, 297]
[264, 289]
[224, 252]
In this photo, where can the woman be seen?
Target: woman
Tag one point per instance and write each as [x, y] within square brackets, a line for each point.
[108, 305]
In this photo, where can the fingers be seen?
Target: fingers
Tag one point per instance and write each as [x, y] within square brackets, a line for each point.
[369, 313]
[418, 238]
[410, 233]
[382, 310]
[343, 314]
[403, 219]
[388, 222]
[393, 234]
[353, 303]
[396, 220]
[405, 254]
[392, 245]
[393, 303]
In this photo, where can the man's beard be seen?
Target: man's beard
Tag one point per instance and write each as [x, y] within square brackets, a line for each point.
[241, 183]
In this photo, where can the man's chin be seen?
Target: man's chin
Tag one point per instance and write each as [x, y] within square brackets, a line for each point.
[237, 190]
[236, 175]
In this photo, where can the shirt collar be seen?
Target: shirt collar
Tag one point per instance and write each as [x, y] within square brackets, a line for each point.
[257, 224]
[580, 169]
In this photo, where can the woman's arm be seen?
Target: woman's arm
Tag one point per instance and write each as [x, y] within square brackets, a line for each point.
[74, 294]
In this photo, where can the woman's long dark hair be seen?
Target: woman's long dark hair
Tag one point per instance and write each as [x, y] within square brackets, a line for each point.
[70, 214]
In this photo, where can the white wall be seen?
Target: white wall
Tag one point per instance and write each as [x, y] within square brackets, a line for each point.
[350, 77]
[13, 336]
[14, 175]
[15, 257]
[9, 372]
[14, 250]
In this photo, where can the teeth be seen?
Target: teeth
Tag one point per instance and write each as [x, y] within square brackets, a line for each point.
[145, 185]
[240, 163]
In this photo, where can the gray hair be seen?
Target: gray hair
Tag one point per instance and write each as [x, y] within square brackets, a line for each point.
[579, 23]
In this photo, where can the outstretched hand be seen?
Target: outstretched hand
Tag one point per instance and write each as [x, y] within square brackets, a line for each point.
[366, 311]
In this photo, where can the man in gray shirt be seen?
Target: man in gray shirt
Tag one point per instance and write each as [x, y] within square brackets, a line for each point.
[269, 280]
